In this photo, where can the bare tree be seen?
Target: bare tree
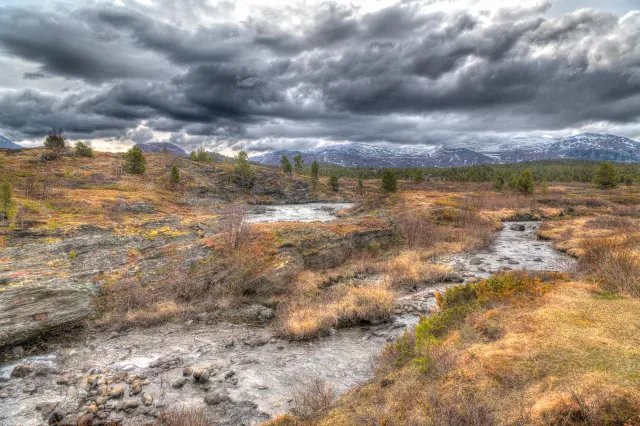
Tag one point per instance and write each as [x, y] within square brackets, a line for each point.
[235, 224]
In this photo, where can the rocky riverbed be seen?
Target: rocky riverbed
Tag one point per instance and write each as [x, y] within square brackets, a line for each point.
[241, 374]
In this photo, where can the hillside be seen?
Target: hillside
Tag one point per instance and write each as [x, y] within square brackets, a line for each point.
[586, 146]
[150, 294]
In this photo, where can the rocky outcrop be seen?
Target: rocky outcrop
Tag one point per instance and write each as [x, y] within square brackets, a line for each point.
[329, 251]
[29, 310]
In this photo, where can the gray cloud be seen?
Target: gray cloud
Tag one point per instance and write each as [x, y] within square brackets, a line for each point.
[297, 76]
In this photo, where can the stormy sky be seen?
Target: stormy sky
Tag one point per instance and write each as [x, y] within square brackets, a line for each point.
[263, 75]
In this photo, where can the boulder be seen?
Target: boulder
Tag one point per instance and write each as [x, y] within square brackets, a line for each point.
[30, 310]
[517, 227]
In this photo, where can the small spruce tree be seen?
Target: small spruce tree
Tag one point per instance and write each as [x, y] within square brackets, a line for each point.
[242, 170]
[6, 200]
[389, 183]
[333, 182]
[526, 182]
[315, 173]
[285, 165]
[298, 162]
[360, 184]
[498, 185]
[606, 176]
[55, 142]
[175, 175]
[134, 161]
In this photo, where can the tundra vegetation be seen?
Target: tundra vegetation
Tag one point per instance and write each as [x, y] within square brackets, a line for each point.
[516, 348]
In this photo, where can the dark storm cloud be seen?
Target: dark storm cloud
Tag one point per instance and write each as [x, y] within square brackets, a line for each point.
[402, 74]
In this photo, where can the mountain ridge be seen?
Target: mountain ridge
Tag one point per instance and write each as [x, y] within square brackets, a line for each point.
[585, 146]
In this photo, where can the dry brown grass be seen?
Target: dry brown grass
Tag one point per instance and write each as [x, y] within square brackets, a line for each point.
[570, 358]
[341, 306]
[411, 268]
[613, 263]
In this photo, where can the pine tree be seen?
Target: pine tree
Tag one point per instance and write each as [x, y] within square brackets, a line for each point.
[298, 162]
[417, 175]
[389, 182]
[360, 184]
[315, 172]
[498, 185]
[135, 162]
[333, 182]
[242, 170]
[175, 175]
[606, 176]
[285, 165]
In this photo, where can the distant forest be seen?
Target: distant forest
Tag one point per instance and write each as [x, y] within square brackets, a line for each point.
[547, 170]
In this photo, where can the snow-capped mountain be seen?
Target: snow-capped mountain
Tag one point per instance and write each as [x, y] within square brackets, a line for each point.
[7, 144]
[596, 146]
[586, 146]
[162, 147]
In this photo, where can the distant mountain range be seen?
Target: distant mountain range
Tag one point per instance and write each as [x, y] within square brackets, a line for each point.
[7, 144]
[162, 147]
[586, 146]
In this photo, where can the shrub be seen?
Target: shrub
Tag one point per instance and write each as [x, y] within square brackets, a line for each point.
[55, 142]
[417, 175]
[235, 225]
[72, 254]
[242, 173]
[333, 182]
[135, 163]
[606, 176]
[285, 165]
[457, 302]
[175, 175]
[298, 162]
[389, 182]
[83, 150]
[184, 416]
[418, 231]
[311, 396]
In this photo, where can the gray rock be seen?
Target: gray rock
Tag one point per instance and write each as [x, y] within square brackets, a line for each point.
[517, 227]
[215, 398]
[179, 383]
[29, 310]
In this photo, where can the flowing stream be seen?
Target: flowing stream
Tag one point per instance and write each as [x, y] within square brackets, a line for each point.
[253, 373]
[296, 212]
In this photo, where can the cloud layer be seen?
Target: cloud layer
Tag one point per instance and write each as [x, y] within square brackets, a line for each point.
[230, 77]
